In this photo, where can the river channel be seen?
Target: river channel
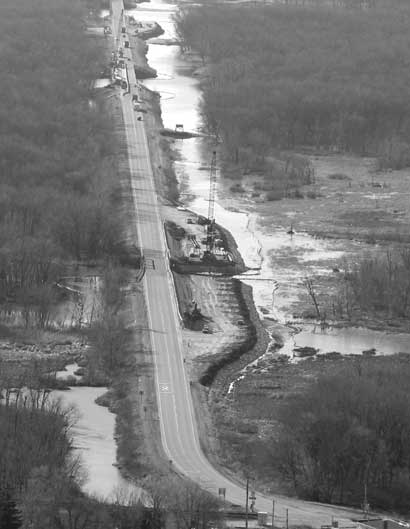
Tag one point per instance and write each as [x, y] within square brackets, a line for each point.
[94, 440]
[273, 285]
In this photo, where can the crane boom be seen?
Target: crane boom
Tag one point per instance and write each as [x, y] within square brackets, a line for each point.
[211, 205]
[212, 189]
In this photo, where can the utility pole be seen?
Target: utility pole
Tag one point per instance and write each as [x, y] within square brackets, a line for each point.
[287, 518]
[366, 506]
[212, 189]
[273, 514]
[246, 504]
[222, 492]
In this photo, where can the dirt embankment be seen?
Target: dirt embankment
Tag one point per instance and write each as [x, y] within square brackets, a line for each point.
[161, 152]
[140, 64]
[232, 336]
[230, 325]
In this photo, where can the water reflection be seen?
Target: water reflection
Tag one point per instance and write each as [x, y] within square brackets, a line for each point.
[348, 341]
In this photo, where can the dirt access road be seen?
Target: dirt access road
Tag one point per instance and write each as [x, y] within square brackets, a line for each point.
[177, 420]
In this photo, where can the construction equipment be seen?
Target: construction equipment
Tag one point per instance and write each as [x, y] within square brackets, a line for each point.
[193, 316]
[211, 206]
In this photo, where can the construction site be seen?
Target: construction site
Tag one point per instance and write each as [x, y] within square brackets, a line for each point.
[201, 246]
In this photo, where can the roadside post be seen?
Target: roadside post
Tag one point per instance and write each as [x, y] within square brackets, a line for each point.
[273, 514]
[252, 497]
[222, 492]
[246, 504]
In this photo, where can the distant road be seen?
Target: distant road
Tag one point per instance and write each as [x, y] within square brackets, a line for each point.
[177, 420]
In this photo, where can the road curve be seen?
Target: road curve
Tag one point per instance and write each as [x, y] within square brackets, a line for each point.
[177, 419]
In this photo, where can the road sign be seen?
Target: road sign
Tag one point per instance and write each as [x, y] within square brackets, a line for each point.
[222, 492]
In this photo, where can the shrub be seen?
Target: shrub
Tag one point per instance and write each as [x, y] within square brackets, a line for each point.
[296, 193]
[338, 176]
[273, 195]
[237, 188]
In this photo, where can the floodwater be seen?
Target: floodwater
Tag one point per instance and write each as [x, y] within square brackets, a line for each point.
[348, 341]
[283, 261]
[102, 83]
[68, 372]
[93, 438]
[83, 303]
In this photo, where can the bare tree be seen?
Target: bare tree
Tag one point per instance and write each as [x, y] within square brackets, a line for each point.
[308, 283]
[188, 505]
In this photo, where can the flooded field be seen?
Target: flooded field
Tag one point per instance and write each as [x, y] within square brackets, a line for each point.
[347, 341]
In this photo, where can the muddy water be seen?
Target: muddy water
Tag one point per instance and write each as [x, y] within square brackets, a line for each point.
[283, 261]
[68, 372]
[348, 341]
[93, 438]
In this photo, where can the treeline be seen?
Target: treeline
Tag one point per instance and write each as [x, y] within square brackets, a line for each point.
[285, 77]
[376, 286]
[348, 430]
[35, 454]
[56, 148]
[350, 4]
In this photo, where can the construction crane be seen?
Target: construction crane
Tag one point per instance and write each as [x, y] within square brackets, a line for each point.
[211, 205]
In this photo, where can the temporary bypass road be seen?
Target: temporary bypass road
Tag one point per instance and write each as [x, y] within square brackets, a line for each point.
[179, 432]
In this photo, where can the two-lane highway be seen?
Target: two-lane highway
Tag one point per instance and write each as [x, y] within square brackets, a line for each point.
[177, 419]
